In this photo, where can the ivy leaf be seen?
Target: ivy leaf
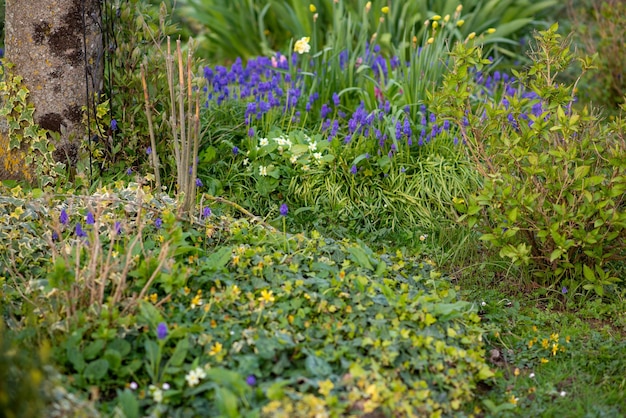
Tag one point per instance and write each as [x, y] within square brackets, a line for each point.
[317, 367]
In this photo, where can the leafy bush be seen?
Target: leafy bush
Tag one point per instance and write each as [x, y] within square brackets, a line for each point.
[21, 380]
[555, 178]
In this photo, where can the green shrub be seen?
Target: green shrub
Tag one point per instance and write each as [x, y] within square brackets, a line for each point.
[555, 178]
[599, 27]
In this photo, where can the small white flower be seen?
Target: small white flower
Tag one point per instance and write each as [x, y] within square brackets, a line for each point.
[317, 156]
[157, 394]
[483, 303]
[532, 375]
[262, 170]
[305, 167]
[166, 386]
[293, 159]
[312, 146]
[263, 142]
[282, 141]
[563, 393]
[133, 385]
[194, 376]
[246, 161]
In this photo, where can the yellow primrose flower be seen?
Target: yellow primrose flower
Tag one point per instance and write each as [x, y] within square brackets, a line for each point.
[545, 343]
[216, 349]
[312, 8]
[544, 360]
[302, 45]
[266, 296]
[554, 337]
[385, 10]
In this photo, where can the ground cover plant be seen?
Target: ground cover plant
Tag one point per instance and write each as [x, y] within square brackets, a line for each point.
[345, 238]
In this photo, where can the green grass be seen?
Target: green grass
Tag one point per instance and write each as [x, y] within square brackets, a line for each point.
[587, 380]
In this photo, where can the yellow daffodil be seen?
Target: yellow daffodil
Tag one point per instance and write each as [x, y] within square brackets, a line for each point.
[312, 8]
[385, 10]
[302, 45]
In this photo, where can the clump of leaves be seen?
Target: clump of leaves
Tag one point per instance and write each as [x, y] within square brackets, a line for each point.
[241, 318]
[599, 26]
[555, 177]
[21, 380]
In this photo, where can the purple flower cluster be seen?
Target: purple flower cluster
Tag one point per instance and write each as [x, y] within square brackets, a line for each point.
[379, 127]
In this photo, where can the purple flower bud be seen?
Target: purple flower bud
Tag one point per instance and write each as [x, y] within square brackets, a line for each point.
[149, 150]
[206, 212]
[353, 170]
[118, 227]
[79, 231]
[129, 171]
[251, 380]
[90, 219]
[113, 125]
[63, 218]
[564, 290]
[158, 223]
[284, 209]
[198, 183]
[161, 330]
[235, 150]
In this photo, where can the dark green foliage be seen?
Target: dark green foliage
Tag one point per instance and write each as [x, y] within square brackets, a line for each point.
[554, 185]
[270, 26]
[21, 378]
[599, 27]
